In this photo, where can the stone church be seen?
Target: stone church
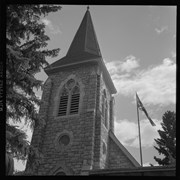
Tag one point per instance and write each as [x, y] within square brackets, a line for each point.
[77, 108]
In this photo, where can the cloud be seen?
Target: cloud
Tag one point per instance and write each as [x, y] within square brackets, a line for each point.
[53, 29]
[161, 30]
[130, 63]
[148, 164]
[155, 85]
[127, 132]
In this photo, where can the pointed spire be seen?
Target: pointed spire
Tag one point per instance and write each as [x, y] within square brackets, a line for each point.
[84, 48]
[85, 39]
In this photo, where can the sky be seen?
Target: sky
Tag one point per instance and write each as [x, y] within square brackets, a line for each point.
[138, 45]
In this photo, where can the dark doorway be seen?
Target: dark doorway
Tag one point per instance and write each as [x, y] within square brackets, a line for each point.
[60, 174]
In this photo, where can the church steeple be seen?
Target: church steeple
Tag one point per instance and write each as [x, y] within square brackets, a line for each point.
[85, 40]
[77, 108]
[83, 47]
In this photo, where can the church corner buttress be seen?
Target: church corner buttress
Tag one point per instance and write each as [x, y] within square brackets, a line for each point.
[77, 109]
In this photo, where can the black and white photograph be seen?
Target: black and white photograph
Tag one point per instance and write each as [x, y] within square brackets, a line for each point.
[90, 90]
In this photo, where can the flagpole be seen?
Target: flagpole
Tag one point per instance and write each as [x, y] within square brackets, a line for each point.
[139, 134]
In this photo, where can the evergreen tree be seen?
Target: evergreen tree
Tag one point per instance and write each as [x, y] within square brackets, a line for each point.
[25, 56]
[167, 141]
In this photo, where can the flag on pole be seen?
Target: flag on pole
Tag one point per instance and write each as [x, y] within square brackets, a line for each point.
[141, 107]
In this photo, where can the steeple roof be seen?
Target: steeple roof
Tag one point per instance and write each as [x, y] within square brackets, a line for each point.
[84, 45]
[85, 39]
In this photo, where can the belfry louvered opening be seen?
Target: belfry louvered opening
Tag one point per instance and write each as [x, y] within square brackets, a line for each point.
[75, 100]
[63, 102]
[63, 106]
[69, 99]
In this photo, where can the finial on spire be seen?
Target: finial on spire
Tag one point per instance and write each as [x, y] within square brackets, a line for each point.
[88, 7]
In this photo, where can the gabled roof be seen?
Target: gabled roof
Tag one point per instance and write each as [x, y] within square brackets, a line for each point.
[123, 149]
[68, 60]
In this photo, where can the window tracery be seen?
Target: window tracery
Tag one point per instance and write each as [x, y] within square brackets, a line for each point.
[69, 98]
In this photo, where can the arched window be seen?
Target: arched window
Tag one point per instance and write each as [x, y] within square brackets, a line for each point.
[104, 148]
[105, 108]
[106, 114]
[69, 98]
[102, 103]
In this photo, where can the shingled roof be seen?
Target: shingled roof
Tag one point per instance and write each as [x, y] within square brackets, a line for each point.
[84, 45]
[85, 39]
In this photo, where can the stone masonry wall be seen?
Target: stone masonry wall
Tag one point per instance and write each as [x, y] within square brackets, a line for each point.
[117, 159]
[81, 126]
[104, 129]
[101, 132]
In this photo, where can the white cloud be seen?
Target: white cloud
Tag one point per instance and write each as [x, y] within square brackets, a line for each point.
[127, 132]
[155, 85]
[130, 63]
[161, 30]
[148, 133]
[53, 29]
[148, 164]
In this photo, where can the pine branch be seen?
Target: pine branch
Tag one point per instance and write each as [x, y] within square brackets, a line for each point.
[25, 56]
